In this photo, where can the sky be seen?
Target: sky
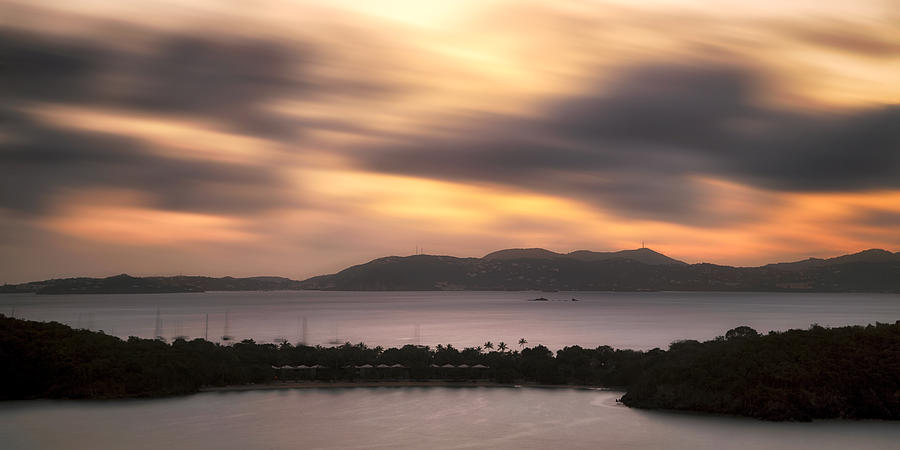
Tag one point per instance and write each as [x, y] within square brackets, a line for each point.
[295, 138]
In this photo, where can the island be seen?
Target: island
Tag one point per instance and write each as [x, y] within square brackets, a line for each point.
[637, 270]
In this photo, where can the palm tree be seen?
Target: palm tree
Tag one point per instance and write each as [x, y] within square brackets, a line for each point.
[522, 342]
[502, 346]
[489, 345]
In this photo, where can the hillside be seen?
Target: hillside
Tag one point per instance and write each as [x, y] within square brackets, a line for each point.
[126, 284]
[630, 270]
[642, 255]
[531, 269]
[867, 256]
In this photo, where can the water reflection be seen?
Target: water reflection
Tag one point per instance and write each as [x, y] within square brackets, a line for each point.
[407, 418]
[625, 320]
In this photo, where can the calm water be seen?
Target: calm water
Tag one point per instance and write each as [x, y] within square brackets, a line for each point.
[429, 417]
[408, 418]
[623, 320]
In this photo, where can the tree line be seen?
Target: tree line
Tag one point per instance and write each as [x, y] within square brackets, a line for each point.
[851, 372]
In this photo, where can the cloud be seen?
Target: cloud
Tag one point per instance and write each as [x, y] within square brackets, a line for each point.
[226, 82]
[637, 143]
[854, 38]
[36, 67]
[853, 151]
[39, 162]
[227, 78]
[264, 131]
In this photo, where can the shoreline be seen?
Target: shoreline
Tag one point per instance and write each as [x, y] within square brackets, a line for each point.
[396, 384]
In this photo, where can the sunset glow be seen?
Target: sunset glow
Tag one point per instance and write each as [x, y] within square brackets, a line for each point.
[296, 138]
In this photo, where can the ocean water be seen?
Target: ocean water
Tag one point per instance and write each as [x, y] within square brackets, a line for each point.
[401, 418]
[639, 320]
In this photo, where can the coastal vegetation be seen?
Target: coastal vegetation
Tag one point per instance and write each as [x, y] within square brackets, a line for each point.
[847, 372]
[819, 373]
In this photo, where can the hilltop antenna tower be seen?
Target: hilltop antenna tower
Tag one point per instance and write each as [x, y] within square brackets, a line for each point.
[206, 329]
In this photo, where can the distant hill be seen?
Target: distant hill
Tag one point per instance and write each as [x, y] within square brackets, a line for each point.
[642, 255]
[627, 270]
[522, 253]
[532, 269]
[126, 284]
[874, 255]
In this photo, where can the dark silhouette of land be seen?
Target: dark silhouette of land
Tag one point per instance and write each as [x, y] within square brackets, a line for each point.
[848, 372]
[633, 270]
[125, 284]
[532, 269]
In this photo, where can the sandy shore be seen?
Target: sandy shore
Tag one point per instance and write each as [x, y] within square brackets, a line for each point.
[370, 384]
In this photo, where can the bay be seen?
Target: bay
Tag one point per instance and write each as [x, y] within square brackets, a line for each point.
[392, 418]
[403, 417]
[636, 320]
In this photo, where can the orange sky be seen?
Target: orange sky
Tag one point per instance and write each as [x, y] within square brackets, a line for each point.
[296, 138]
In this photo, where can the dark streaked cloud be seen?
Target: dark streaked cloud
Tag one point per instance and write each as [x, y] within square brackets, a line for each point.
[638, 142]
[41, 161]
[224, 81]
[852, 151]
[224, 78]
[182, 75]
[228, 79]
[845, 36]
[42, 68]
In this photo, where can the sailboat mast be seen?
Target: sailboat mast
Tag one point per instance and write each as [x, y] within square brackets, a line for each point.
[305, 340]
[227, 336]
[157, 334]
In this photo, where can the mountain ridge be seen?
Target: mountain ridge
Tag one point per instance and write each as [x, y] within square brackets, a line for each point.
[870, 255]
[872, 270]
[643, 255]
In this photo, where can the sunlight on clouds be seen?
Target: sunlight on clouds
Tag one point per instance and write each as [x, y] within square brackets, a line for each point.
[340, 81]
[177, 138]
[116, 217]
[446, 214]
[447, 206]
[376, 214]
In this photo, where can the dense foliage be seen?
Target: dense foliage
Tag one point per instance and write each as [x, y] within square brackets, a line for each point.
[851, 372]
